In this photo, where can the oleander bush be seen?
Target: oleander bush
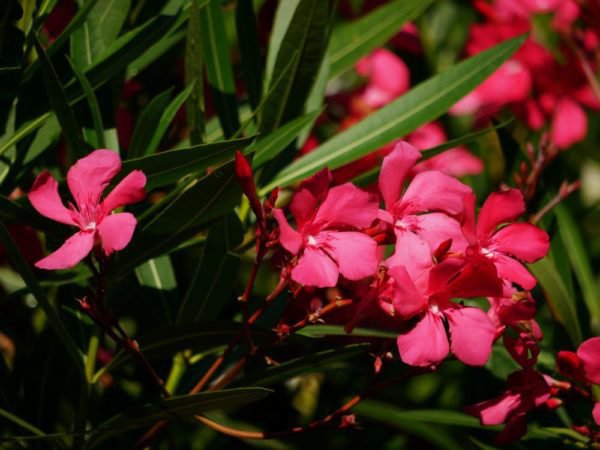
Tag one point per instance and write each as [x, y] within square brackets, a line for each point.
[299, 224]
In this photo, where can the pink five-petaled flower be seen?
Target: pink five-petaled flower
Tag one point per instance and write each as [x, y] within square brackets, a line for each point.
[87, 180]
[584, 366]
[424, 213]
[326, 243]
[429, 293]
[527, 389]
[522, 241]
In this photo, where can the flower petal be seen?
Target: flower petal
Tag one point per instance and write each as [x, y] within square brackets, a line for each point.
[434, 191]
[116, 231]
[512, 270]
[569, 123]
[596, 413]
[407, 300]
[70, 253]
[89, 176]
[500, 207]
[589, 354]
[289, 238]
[522, 240]
[303, 207]
[437, 228]
[315, 268]
[413, 253]
[347, 205]
[471, 334]
[394, 169]
[425, 344]
[129, 190]
[45, 199]
[496, 410]
[355, 253]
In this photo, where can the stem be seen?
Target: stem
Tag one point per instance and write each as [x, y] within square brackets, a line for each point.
[565, 190]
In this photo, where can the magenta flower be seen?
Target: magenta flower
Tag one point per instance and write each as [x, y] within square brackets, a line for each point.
[388, 76]
[87, 180]
[527, 389]
[425, 211]
[327, 243]
[471, 332]
[508, 245]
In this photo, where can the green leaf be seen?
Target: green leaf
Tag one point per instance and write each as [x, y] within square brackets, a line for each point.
[560, 301]
[580, 261]
[24, 130]
[165, 120]
[158, 276]
[267, 148]
[30, 280]
[170, 166]
[194, 76]
[281, 23]
[305, 364]
[370, 177]
[164, 342]
[60, 105]
[78, 19]
[317, 331]
[21, 422]
[215, 48]
[146, 123]
[213, 280]
[422, 104]
[249, 44]
[178, 217]
[176, 409]
[98, 32]
[306, 35]
[353, 40]
[92, 103]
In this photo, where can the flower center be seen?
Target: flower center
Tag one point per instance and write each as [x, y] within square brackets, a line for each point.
[311, 240]
[488, 253]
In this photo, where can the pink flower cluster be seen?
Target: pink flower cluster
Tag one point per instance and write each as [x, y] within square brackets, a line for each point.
[441, 254]
[545, 90]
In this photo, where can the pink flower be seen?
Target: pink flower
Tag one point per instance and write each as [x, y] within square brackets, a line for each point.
[388, 76]
[471, 331]
[87, 180]
[327, 242]
[527, 389]
[507, 245]
[425, 210]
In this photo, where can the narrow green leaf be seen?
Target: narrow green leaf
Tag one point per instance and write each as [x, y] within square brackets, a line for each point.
[212, 283]
[281, 23]
[353, 40]
[422, 104]
[21, 422]
[177, 409]
[305, 364]
[147, 122]
[247, 33]
[317, 331]
[580, 261]
[92, 102]
[170, 166]
[561, 303]
[78, 19]
[194, 76]
[215, 48]
[200, 337]
[274, 143]
[100, 29]
[24, 130]
[306, 35]
[370, 177]
[166, 119]
[60, 105]
[157, 276]
[30, 280]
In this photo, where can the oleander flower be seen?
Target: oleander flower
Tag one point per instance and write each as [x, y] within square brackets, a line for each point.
[94, 217]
